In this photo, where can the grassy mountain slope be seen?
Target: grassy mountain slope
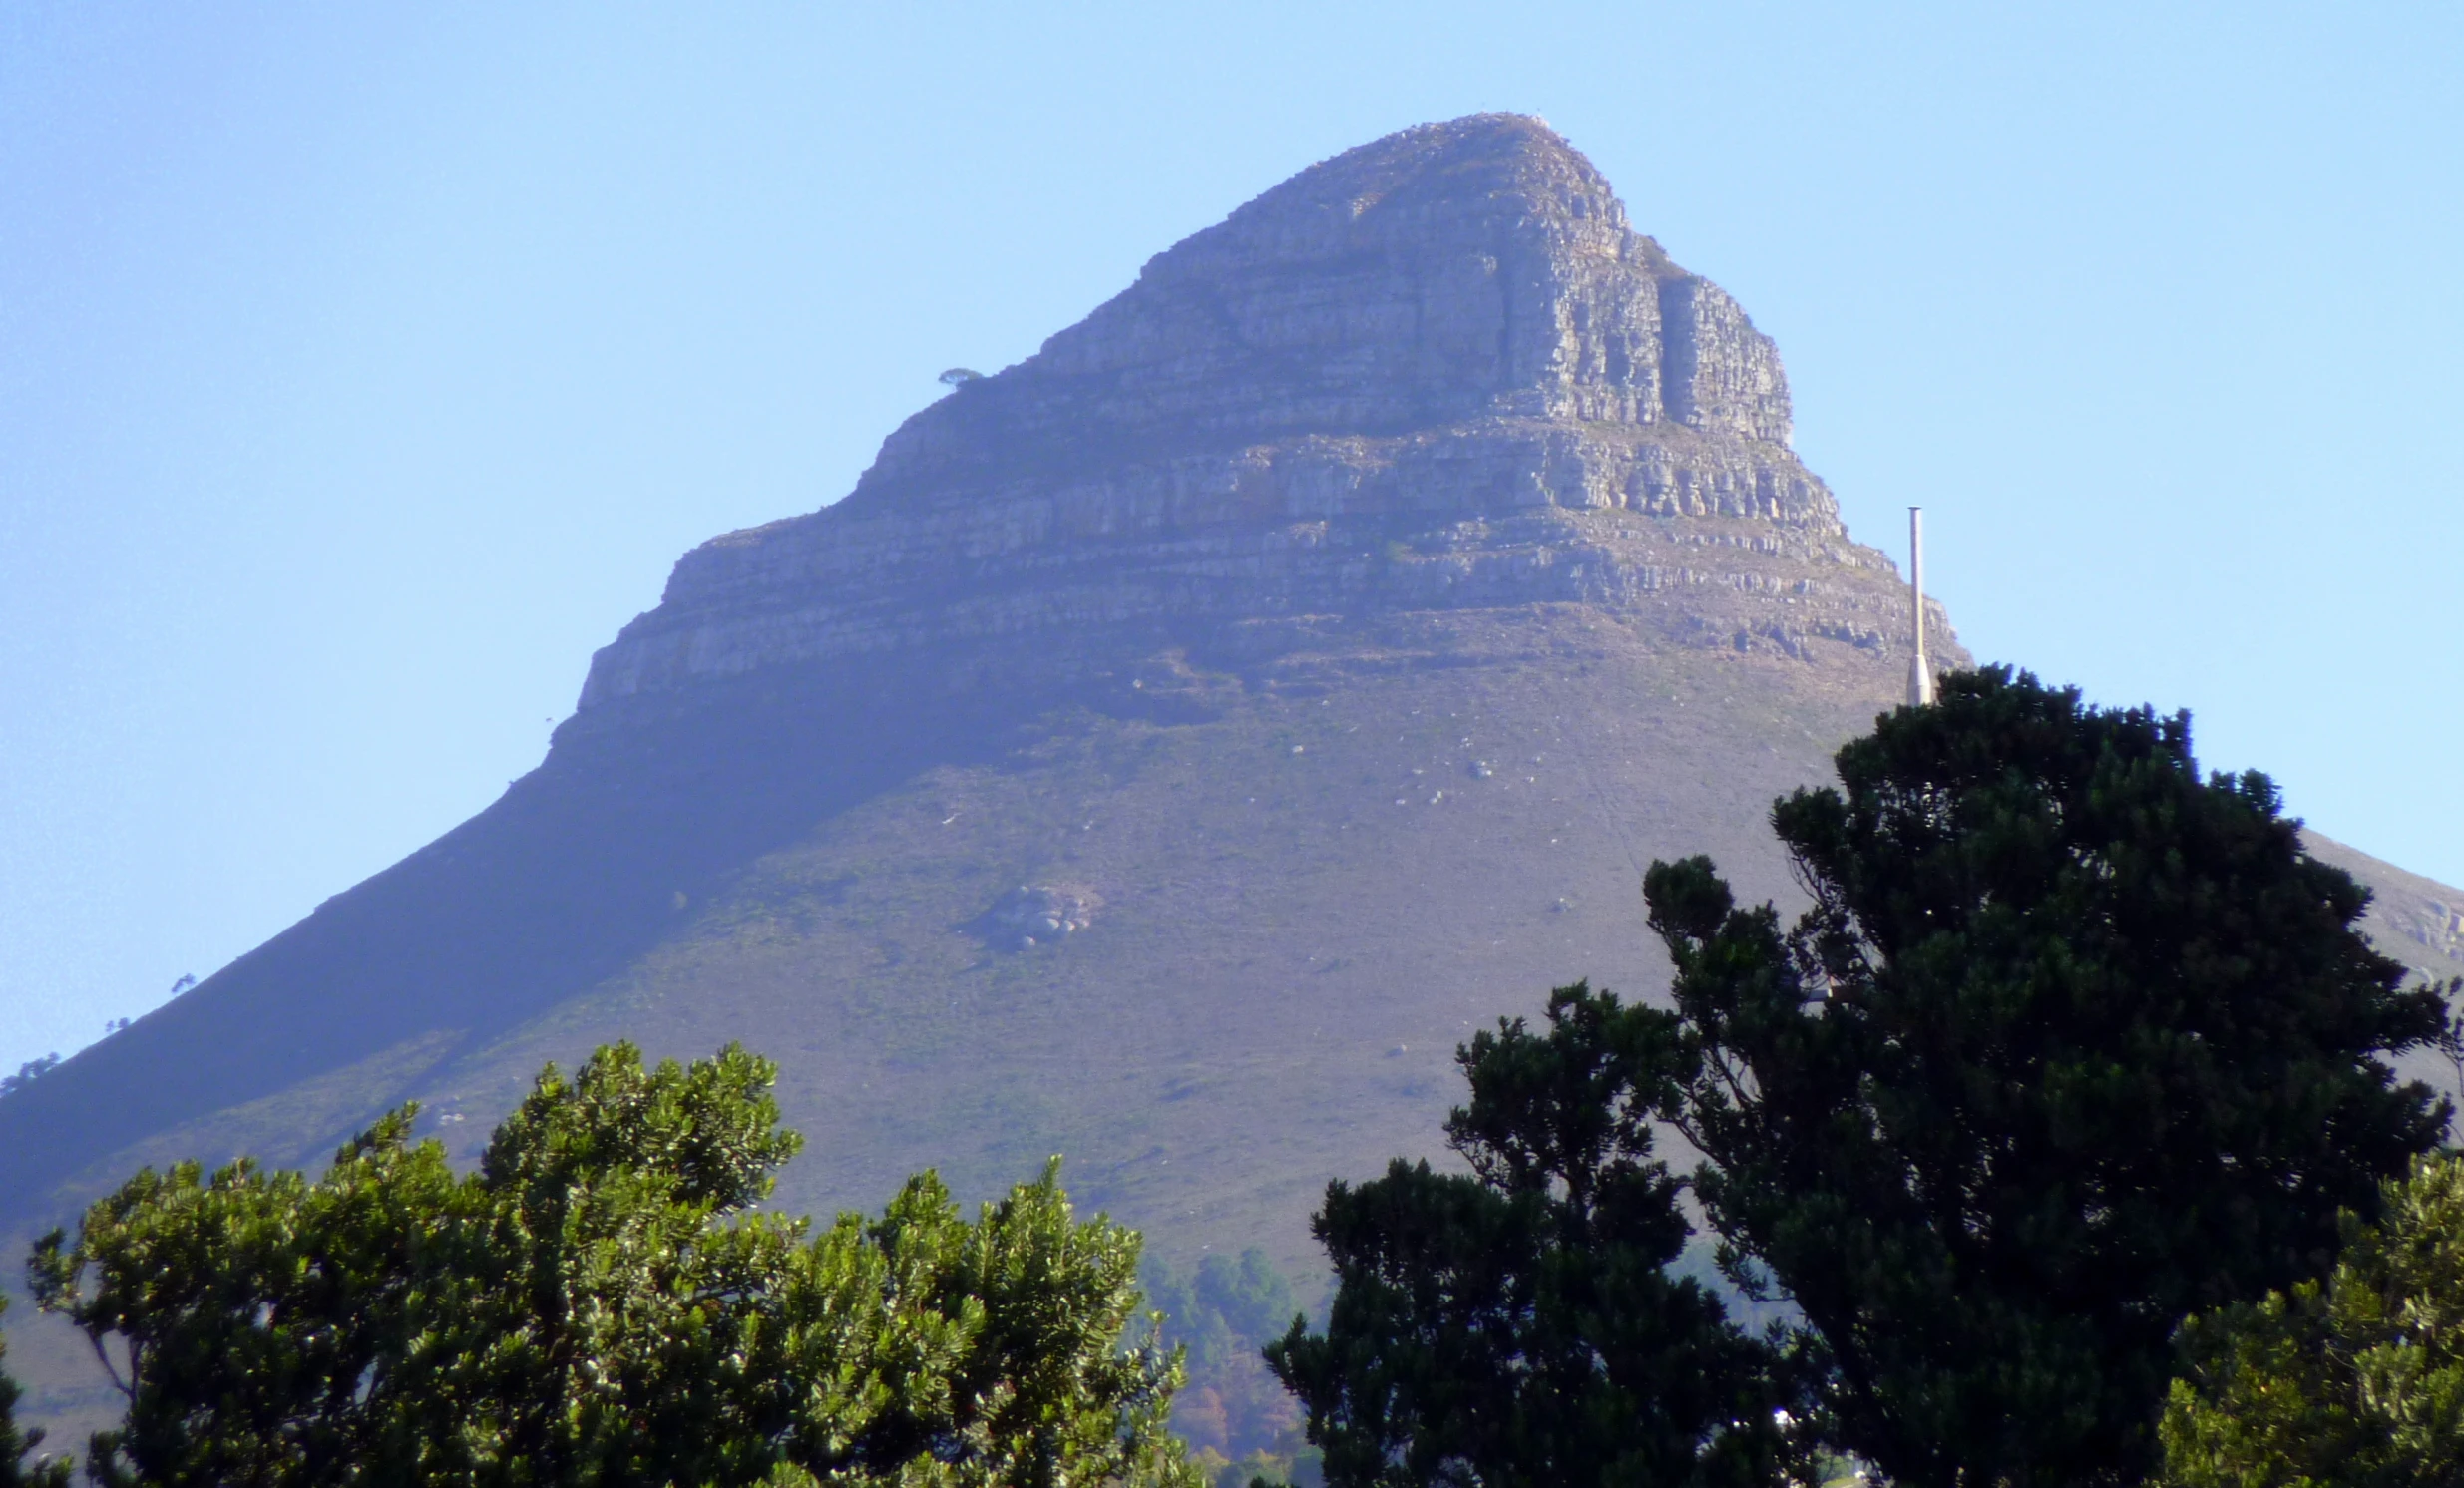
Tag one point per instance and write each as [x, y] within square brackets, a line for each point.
[1307, 880]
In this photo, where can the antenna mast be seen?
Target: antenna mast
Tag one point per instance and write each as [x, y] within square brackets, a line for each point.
[1921, 671]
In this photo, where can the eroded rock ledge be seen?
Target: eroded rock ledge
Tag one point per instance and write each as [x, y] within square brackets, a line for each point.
[1437, 372]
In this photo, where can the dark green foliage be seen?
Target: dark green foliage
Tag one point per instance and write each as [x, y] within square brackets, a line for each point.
[2354, 1383]
[16, 1441]
[2072, 1043]
[595, 1305]
[1220, 1316]
[1518, 1325]
[1217, 1309]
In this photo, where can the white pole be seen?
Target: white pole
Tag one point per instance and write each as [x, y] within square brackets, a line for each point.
[1921, 671]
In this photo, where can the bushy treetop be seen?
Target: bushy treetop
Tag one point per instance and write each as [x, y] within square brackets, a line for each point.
[1519, 1324]
[2354, 1382]
[2072, 1042]
[595, 1305]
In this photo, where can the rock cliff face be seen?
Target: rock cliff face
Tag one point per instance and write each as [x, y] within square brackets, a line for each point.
[1438, 372]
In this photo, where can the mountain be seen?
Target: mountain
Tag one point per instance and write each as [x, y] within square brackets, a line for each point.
[1173, 745]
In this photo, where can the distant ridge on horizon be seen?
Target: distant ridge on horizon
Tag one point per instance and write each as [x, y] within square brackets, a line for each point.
[1173, 745]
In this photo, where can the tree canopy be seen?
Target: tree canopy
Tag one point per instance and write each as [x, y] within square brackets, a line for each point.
[1519, 1323]
[598, 1305]
[2354, 1383]
[2072, 1042]
[1220, 1314]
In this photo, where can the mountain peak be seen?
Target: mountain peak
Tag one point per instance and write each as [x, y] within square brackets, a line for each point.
[1178, 742]
[1386, 386]
[1445, 273]
[1505, 172]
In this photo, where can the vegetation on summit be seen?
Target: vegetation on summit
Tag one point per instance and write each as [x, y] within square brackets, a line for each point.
[29, 1072]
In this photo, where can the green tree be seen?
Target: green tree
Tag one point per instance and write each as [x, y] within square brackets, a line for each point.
[2358, 1383]
[1518, 1325]
[597, 1305]
[2072, 1043]
[1044, 1392]
[16, 1441]
[243, 1316]
[1223, 1308]
[1220, 1316]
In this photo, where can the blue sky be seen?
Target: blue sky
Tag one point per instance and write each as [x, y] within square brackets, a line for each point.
[363, 368]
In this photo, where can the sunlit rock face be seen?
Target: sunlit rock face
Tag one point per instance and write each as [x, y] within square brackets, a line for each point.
[1438, 372]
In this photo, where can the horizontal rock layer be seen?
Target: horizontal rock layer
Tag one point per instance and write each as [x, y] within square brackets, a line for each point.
[1437, 372]
[1511, 512]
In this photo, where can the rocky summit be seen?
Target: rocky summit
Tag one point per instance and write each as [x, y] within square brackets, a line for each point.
[1439, 373]
[1170, 749]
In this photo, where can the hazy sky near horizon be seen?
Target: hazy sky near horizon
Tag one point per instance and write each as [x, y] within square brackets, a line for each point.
[363, 368]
